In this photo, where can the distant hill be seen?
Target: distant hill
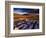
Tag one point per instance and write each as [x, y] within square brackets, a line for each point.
[24, 17]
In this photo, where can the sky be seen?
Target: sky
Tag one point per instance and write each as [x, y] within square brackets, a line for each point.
[25, 10]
